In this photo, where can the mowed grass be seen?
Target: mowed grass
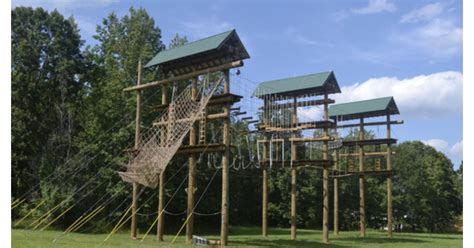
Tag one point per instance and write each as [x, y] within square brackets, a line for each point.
[239, 237]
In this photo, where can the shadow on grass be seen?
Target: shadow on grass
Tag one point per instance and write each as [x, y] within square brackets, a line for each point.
[255, 231]
[381, 240]
[282, 243]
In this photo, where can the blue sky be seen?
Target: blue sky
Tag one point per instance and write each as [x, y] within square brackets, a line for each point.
[409, 49]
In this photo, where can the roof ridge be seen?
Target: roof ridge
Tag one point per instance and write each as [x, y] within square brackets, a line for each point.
[312, 74]
[189, 43]
[366, 100]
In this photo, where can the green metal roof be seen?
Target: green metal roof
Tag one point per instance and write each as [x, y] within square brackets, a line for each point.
[317, 82]
[366, 108]
[195, 47]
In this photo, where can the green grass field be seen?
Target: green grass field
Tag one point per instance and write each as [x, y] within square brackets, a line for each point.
[239, 236]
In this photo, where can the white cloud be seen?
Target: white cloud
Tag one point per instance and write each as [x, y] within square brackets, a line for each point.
[424, 96]
[457, 149]
[299, 38]
[439, 37]
[375, 6]
[63, 4]
[426, 12]
[205, 27]
[309, 114]
[454, 151]
[438, 144]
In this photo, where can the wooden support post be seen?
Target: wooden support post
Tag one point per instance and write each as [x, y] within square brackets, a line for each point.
[225, 166]
[133, 228]
[191, 173]
[361, 181]
[265, 157]
[389, 181]
[336, 194]
[264, 197]
[326, 178]
[294, 157]
[161, 198]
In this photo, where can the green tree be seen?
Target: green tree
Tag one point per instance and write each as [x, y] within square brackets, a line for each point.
[46, 90]
[425, 193]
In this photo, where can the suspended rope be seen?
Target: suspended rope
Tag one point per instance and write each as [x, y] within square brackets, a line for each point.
[197, 203]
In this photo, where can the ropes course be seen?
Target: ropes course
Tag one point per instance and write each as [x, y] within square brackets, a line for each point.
[293, 128]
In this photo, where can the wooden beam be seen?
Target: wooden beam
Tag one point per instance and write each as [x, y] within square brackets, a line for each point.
[301, 103]
[186, 76]
[342, 174]
[294, 157]
[191, 172]
[366, 154]
[210, 117]
[361, 181]
[161, 191]
[389, 181]
[201, 148]
[379, 123]
[239, 113]
[326, 176]
[370, 142]
[133, 227]
[336, 195]
[313, 139]
[225, 164]
[215, 100]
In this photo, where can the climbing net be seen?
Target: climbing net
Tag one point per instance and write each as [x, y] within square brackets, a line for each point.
[161, 141]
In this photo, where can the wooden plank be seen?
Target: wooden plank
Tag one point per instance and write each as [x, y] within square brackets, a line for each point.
[215, 100]
[366, 154]
[301, 104]
[370, 142]
[185, 76]
[342, 174]
[379, 123]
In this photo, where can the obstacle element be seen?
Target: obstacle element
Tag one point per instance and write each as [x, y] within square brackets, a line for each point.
[360, 111]
[159, 143]
[281, 99]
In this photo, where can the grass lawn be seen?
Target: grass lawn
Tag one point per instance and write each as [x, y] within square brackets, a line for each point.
[239, 236]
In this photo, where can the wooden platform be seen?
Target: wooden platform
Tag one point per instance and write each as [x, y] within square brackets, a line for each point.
[199, 148]
[215, 100]
[340, 174]
[369, 142]
[299, 163]
[300, 126]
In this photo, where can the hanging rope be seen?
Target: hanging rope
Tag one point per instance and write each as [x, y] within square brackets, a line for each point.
[192, 212]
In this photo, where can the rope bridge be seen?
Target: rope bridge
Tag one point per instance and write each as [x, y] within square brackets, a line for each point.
[162, 140]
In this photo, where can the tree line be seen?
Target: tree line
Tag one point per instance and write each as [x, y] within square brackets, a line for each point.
[71, 122]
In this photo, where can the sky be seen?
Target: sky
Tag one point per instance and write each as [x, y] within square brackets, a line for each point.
[411, 50]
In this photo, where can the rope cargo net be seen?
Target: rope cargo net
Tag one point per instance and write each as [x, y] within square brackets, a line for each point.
[160, 142]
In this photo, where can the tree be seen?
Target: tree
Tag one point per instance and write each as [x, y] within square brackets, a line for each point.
[425, 188]
[46, 64]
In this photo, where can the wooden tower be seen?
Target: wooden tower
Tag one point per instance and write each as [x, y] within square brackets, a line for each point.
[187, 65]
[362, 110]
[280, 125]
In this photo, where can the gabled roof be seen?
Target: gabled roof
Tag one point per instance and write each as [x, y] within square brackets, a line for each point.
[367, 108]
[213, 50]
[317, 83]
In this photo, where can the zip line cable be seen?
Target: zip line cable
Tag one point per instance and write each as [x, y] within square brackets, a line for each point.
[78, 154]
